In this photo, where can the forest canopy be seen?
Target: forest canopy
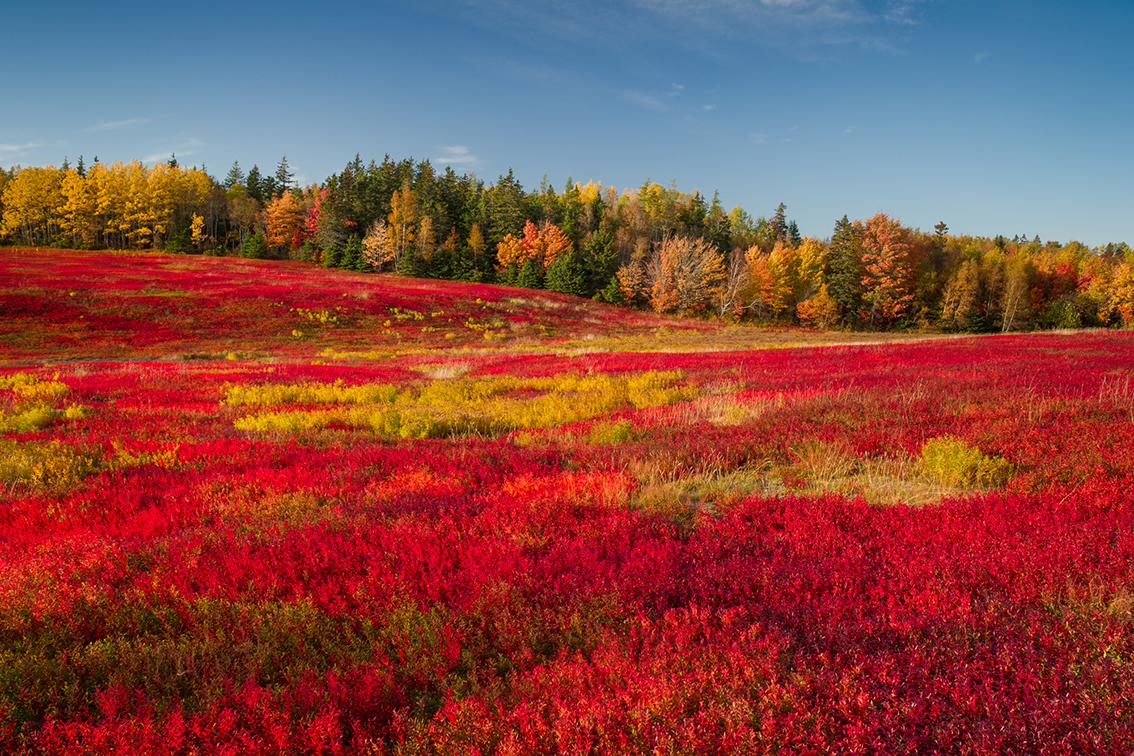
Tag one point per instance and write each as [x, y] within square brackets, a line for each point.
[652, 247]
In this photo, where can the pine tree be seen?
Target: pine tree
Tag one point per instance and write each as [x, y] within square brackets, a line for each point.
[600, 259]
[353, 257]
[411, 265]
[779, 223]
[505, 209]
[254, 247]
[332, 256]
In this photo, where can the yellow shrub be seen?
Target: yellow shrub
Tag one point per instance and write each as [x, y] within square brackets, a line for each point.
[16, 379]
[952, 462]
[26, 420]
[51, 466]
[41, 391]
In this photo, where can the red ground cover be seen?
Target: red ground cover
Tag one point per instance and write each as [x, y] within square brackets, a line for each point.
[762, 567]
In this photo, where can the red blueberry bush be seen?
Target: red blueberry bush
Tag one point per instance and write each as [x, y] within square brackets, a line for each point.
[761, 561]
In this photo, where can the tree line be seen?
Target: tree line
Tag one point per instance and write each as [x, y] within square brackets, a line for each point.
[651, 247]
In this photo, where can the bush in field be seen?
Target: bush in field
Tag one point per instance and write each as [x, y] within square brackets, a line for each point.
[952, 462]
[614, 432]
[34, 403]
[50, 466]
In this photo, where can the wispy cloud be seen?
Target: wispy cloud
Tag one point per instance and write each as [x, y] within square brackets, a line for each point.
[183, 149]
[901, 13]
[699, 22]
[646, 101]
[12, 150]
[457, 155]
[801, 26]
[741, 15]
[980, 56]
[116, 125]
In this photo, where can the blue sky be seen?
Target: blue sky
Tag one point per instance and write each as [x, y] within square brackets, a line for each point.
[995, 117]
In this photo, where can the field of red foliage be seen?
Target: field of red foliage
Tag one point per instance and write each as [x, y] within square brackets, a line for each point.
[257, 508]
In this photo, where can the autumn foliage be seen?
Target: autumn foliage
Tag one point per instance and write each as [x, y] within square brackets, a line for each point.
[652, 248]
[542, 244]
[366, 539]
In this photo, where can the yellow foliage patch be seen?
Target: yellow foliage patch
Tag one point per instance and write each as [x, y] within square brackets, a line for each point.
[51, 466]
[33, 403]
[487, 405]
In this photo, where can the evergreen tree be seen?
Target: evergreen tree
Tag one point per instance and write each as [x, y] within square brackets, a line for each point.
[411, 265]
[530, 276]
[565, 275]
[843, 269]
[353, 257]
[793, 233]
[180, 241]
[505, 210]
[235, 176]
[600, 258]
[284, 178]
[779, 223]
[254, 247]
[332, 256]
[611, 293]
[255, 185]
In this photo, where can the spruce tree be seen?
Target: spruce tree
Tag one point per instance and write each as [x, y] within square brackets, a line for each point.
[843, 270]
[411, 265]
[530, 277]
[353, 257]
[565, 275]
[332, 256]
[600, 259]
[235, 176]
[255, 185]
[254, 247]
[284, 178]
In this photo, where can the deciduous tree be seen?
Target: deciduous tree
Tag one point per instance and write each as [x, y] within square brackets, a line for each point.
[543, 244]
[959, 305]
[888, 276]
[402, 222]
[283, 216]
[682, 273]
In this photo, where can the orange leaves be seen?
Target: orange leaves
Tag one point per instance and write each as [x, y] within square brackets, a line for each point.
[888, 278]
[283, 216]
[543, 244]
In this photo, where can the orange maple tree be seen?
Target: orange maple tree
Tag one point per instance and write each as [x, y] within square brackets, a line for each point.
[543, 243]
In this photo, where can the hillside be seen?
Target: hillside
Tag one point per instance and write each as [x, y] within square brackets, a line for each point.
[70, 305]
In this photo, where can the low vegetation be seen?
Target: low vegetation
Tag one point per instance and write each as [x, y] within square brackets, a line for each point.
[216, 537]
